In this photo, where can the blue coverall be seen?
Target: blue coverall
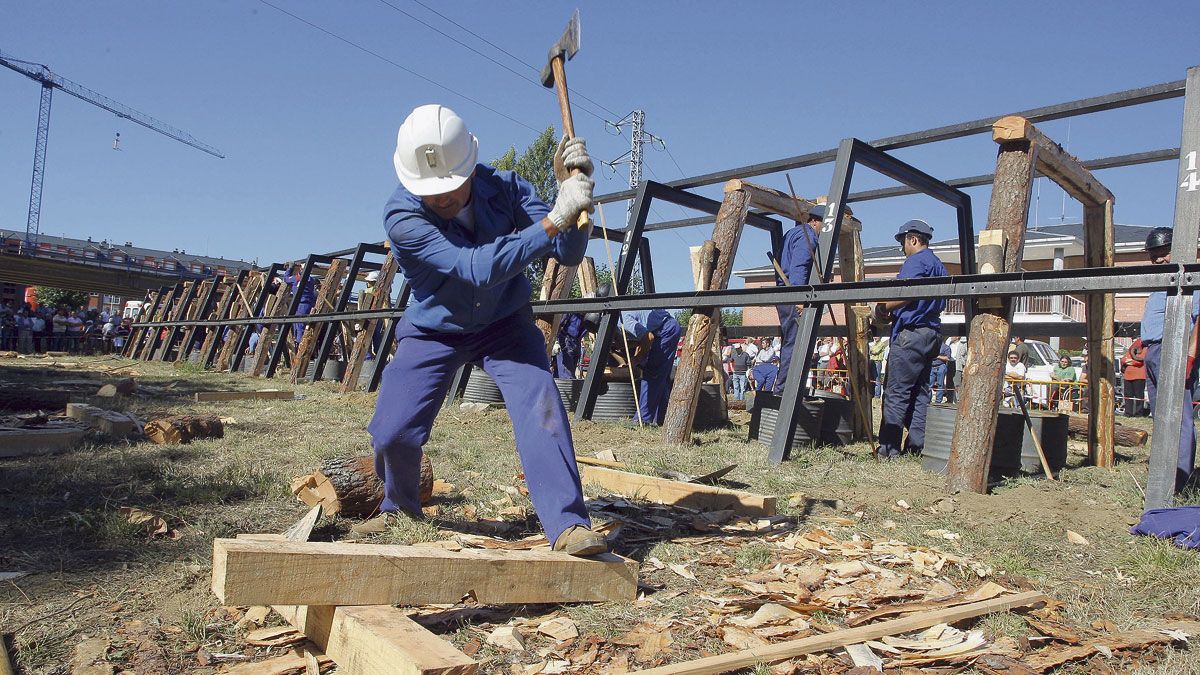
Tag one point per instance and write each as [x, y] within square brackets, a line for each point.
[1152, 335]
[796, 259]
[916, 341]
[470, 302]
[764, 377]
[654, 388]
[570, 334]
[308, 298]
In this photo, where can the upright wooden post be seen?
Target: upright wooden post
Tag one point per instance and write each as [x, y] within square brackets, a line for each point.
[556, 285]
[987, 342]
[277, 305]
[253, 284]
[706, 321]
[850, 263]
[202, 311]
[1099, 243]
[330, 285]
[380, 299]
[587, 277]
[213, 333]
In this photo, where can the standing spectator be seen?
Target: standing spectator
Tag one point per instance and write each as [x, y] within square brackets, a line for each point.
[750, 347]
[74, 333]
[958, 361]
[1022, 350]
[741, 361]
[765, 352]
[8, 326]
[121, 334]
[40, 333]
[1158, 249]
[916, 339]
[24, 325]
[937, 374]
[727, 366]
[60, 330]
[878, 351]
[1133, 379]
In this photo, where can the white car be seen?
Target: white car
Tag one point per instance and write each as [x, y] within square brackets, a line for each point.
[1042, 360]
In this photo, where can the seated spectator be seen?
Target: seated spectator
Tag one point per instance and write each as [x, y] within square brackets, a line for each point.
[1063, 372]
[1014, 373]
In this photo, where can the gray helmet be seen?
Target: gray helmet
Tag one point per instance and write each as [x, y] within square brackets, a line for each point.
[591, 320]
[1159, 237]
[915, 226]
[817, 211]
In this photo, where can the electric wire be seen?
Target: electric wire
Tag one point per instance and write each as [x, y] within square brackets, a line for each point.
[406, 69]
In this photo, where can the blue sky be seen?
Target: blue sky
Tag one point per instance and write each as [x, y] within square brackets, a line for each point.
[308, 122]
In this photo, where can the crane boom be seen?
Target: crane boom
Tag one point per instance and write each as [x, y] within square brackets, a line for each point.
[42, 74]
[49, 81]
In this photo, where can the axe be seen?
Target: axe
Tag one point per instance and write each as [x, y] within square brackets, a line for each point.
[554, 74]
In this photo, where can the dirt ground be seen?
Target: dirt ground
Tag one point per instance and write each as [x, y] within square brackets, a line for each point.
[103, 589]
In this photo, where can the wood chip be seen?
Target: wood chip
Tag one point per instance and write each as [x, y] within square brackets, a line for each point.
[277, 636]
[1076, 538]
[507, 637]
[560, 629]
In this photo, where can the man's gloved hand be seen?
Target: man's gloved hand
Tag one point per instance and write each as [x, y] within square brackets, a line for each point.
[571, 154]
[574, 197]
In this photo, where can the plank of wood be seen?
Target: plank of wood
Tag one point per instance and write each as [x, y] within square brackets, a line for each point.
[1052, 161]
[44, 441]
[1098, 238]
[779, 651]
[310, 573]
[107, 422]
[690, 495]
[596, 461]
[206, 396]
[775, 201]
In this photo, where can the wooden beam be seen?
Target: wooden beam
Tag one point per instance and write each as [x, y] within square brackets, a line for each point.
[40, 441]
[261, 394]
[987, 341]
[330, 285]
[108, 422]
[691, 495]
[556, 285]
[1052, 161]
[587, 277]
[313, 573]
[276, 305]
[703, 327]
[365, 338]
[780, 651]
[254, 284]
[770, 199]
[1098, 241]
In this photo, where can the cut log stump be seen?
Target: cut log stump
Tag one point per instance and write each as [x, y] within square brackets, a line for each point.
[1127, 437]
[184, 428]
[349, 486]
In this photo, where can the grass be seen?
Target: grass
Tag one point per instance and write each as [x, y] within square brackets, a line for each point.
[62, 518]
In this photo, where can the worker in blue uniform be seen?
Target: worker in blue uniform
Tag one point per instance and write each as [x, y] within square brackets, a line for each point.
[570, 347]
[463, 234]
[656, 338]
[796, 260]
[916, 342]
[1158, 249]
[308, 296]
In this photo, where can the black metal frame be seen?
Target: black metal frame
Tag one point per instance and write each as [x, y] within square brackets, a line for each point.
[155, 335]
[188, 297]
[208, 304]
[206, 359]
[281, 340]
[259, 303]
[854, 152]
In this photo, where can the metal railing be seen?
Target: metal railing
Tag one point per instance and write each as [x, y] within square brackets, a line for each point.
[1067, 306]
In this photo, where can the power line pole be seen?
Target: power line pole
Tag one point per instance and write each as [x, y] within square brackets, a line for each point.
[636, 121]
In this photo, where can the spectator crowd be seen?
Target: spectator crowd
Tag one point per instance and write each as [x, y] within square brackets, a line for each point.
[27, 329]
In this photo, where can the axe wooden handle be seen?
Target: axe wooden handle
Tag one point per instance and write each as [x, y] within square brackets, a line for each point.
[564, 107]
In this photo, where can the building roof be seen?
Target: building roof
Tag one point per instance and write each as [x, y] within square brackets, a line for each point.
[1040, 243]
[129, 249]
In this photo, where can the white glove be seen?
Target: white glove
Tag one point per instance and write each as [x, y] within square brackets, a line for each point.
[574, 197]
[571, 154]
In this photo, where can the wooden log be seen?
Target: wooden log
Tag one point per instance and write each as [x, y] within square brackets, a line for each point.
[212, 333]
[1102, 396]
[1078, 427]
[987, 342]
[587, 277]
[556, 285]
[254, 284]
[690, 495]
[350, 486]
[1052, 161]
[779, 651]
[315, 573]
[184, 428]
[705, 323]
[775, 201]
[261, 394]
[858, 322]
[276, 305]
[363, 341]
[330, 285]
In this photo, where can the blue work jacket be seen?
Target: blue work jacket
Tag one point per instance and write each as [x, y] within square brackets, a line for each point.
[308, 296]
[463, 279]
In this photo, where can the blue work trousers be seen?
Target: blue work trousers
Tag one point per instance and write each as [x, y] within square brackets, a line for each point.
[654, 389]
[1187, 430]
[298, 328]
[414, 385]
[566, 361]
[788, 327]
[906, 390]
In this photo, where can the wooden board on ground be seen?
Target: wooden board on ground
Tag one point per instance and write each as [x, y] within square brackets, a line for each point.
[779, 651]
[54, 437]
[205, 396]
[108, 422]
[312, 573]
[691, 495]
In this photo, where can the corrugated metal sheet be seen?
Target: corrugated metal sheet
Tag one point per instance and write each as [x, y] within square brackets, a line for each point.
[1013, 451]
[837, 427]
[481, 388]
[766, 411]
[615, 402]
[568, 391]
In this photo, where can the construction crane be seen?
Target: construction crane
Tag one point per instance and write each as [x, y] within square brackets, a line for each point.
[42, 74]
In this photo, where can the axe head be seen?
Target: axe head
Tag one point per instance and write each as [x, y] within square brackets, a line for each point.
[565, 48]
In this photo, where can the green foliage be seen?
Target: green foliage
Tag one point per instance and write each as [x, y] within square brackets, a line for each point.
[731, 317]
[604, 276]
[507, 161]
[535, 165]
[57, 297]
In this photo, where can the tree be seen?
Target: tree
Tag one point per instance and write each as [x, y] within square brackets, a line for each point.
[57, 297]
[731, 317]
[535, 165]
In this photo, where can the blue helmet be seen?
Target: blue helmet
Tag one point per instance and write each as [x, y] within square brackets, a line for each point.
[917, 226]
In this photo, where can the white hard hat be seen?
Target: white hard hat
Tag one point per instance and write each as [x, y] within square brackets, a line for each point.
[373, 276]
[435, 153]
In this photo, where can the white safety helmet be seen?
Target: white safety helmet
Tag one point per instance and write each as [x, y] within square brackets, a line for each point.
[373, 276]
[435, 153]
